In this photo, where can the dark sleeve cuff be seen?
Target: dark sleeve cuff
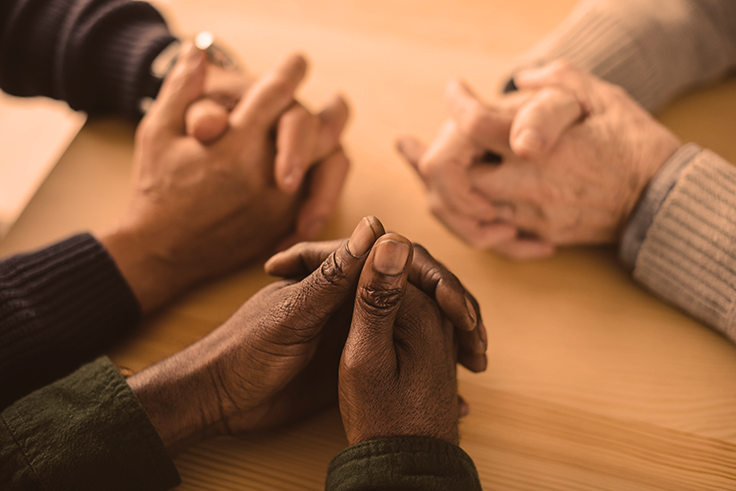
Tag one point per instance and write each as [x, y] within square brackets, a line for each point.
[95, 55]
[60, 307]
[650, 203]
[403, 463]
[109, 67]
[85, 432]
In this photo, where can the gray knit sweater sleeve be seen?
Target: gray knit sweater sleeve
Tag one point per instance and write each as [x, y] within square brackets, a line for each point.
[654, 49]
[689, 254]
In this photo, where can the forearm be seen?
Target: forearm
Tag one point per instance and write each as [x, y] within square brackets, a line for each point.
[178, 395]
[654, 49]
[93, 54]
[153, 279]
[60, 306]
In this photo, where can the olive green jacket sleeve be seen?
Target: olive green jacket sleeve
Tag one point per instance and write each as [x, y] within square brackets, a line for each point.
[89, 432]
[403, 463]
[84, 432]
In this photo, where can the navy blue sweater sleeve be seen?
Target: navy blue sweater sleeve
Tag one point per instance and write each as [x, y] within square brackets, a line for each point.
[93, 54]
[60, 307]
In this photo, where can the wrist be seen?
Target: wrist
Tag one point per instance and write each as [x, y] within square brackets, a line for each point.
[153, 278]
[658, 150]
[178, 398]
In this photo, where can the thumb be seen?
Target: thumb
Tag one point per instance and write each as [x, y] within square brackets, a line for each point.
[380, 291]
[542, 120]
[333, 281]
[486, 124]
[180, 89]
[206, 120]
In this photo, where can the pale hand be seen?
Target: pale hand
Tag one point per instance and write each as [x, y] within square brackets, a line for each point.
[576, 155]
[309, 156]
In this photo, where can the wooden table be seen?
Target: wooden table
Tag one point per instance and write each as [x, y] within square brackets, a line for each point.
[592, 382]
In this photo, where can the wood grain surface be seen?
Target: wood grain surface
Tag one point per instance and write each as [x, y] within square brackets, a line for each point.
[592, 384]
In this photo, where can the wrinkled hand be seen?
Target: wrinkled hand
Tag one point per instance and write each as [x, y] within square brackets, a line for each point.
[397, 373]
[200, 210]
[576, 154]
[427, 274]
[274, 361]
[309, 153]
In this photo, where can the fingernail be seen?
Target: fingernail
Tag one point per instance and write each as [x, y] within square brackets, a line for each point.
[471, 311]
[362, 239]
[271, 259]
[529, 140]
[291, 179]
[288, 181]
[463, 409]
[391, 257]
[483, 334]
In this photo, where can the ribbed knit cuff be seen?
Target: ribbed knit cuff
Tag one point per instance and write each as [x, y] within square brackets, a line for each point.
[650, 202]
[87, 431]
[688, 256]
[59, 307]
[403, 463]
[111, 71]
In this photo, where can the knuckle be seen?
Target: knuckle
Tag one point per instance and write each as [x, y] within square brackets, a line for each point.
[280, 88]
[429, 168]
[420, 250]
[436, 204]
[379, 302]
[332, 270]
[146, 134]
[617, 92]
[298, 115]
[561, 67]
[478, 242]
[476, 121]
[436, 271]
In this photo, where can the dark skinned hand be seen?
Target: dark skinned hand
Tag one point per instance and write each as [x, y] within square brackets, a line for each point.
[274, 361]
[427, 274]
[397, 373]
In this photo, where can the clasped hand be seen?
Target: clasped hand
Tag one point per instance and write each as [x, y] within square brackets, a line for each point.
[374, 315]
[213, 188]
[571, 155]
